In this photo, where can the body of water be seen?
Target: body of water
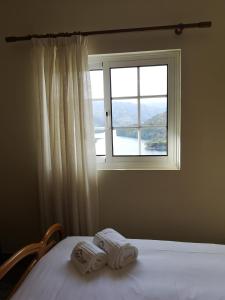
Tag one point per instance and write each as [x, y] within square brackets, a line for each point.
[123, 146]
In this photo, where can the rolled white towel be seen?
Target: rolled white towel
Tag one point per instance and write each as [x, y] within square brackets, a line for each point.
[120, 252]
[87, 257]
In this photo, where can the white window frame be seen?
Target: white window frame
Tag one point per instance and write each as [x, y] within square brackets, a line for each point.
[171, 58]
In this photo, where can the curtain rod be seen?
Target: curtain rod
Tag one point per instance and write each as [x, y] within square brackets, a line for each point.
[178, 28]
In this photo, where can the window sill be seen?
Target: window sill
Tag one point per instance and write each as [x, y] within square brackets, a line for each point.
[157, 166]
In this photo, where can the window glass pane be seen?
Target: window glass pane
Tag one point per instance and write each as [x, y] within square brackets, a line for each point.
[98, 113]
[154, 111]
[124, 82]
[125, 141]
[100, 141]
[124, 112]
[97, 88]
[154, 141]
[153, 80]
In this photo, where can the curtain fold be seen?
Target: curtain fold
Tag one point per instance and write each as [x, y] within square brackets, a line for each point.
[66, 148]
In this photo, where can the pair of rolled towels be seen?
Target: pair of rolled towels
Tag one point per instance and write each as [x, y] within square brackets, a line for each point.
[108, 247]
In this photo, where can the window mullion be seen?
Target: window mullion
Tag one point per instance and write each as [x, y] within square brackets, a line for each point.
[139, 109]
[107, 105]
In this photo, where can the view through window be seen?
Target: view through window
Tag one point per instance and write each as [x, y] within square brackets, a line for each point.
[139, 110]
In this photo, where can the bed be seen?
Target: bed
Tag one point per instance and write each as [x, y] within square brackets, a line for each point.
[164, 270]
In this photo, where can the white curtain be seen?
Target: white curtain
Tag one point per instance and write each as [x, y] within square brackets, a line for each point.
[66, 151]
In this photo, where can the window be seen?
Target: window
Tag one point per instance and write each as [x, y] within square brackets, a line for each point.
[136, 109]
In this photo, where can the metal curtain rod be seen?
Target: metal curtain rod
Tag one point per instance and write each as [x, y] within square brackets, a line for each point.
[178, 28]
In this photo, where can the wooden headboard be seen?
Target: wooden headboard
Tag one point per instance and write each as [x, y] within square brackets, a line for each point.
[53, 235]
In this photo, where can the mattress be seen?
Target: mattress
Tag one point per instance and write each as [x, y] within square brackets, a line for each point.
[164, 270]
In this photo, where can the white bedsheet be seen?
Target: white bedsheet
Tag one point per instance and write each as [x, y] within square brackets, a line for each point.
[164, 271]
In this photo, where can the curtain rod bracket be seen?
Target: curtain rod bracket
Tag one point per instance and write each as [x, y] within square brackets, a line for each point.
[179, 29]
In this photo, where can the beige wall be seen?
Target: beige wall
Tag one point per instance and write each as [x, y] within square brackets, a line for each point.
[180, 205]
